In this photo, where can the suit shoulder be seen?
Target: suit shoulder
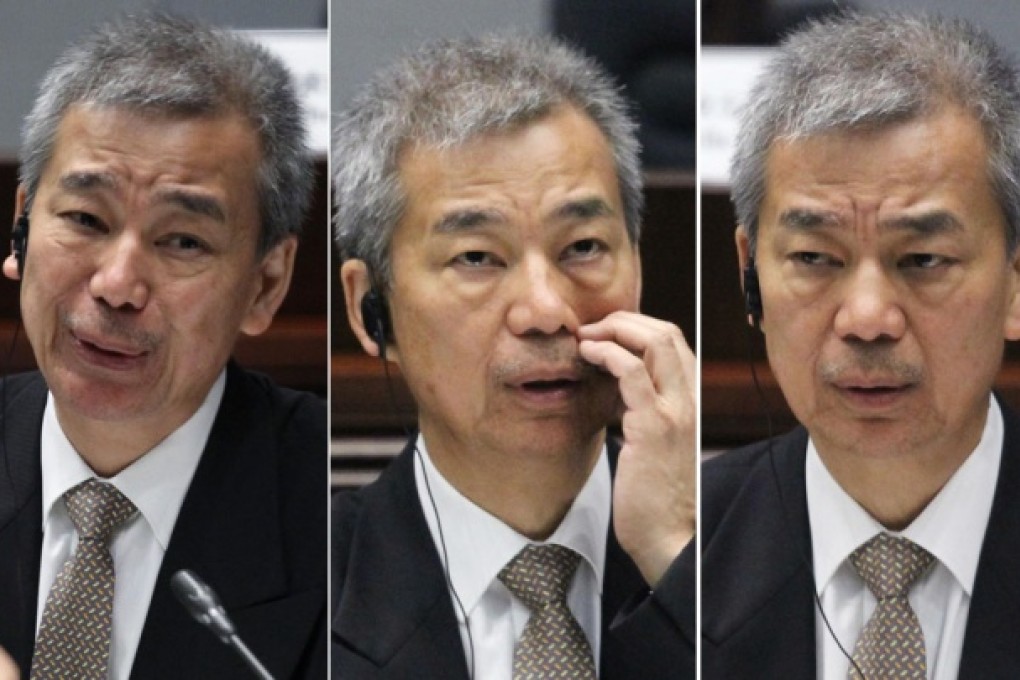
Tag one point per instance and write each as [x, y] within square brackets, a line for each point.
[13, 387]
[352, 512]
[376, 507]
[295, 422]
[302, 409]
[347, 512]
[725, 476]
[346, 508]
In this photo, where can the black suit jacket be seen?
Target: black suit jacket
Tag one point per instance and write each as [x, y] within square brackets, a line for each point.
[392, 615]
[757, 607]
[252, 525]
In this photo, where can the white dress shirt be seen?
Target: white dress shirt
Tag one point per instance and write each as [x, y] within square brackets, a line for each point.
[478, 546]
[156, 484]
[952, 528]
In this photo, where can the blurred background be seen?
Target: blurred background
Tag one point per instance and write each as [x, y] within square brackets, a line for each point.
[294, 350]
[737, 36]
[649, 47]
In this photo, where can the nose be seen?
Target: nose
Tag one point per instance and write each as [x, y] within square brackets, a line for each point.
[870, 309]
[121, 275]
[541, 301]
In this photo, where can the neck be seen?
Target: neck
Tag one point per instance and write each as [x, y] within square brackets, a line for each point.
[895, 490]
[530, 494]
[108, 447]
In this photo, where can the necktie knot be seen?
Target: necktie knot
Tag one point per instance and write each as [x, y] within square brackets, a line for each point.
[552, 644]
[539, 575]
[889, 565]
[97, 508]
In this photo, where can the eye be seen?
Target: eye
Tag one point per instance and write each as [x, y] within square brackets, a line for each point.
[83, 219]
[924, 261]
[814, 259]
[476, 259]
[584, 249]
[184, 243]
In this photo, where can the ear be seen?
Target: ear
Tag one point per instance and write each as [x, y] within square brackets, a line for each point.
[273, 281]
[356, 282]
[10, 264]
[743, 241]
[1011, 327]
[744, 257]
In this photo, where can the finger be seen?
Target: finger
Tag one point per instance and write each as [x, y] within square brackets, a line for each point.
[637, 333]
[668, 361]
[636, 387]
[611, 325]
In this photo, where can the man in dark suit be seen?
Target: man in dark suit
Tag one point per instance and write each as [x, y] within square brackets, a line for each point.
[163, 181]
[876, 186]
[488, 208]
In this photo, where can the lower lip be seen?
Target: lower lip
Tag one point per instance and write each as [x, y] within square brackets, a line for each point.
[115, 361]
[875, 399]
[550, 397]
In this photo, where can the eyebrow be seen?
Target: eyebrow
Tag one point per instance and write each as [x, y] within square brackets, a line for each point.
[86, 180]
[198, 204]
[584, 209]
[800, 219]
[466, 220]
[926, 224]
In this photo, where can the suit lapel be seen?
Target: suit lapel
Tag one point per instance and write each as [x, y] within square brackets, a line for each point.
[20, 515]
[990, 643]
[395, 613]
[757, 602]
[236, 475]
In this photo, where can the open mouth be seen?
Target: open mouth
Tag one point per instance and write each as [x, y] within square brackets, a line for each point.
[544, 386]
[876, 390]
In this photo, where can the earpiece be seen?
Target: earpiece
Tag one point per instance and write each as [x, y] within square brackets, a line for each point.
[376, 317]
[19, 242]
[752, 295]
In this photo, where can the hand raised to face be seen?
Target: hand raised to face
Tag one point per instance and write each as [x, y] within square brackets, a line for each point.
[654, 494]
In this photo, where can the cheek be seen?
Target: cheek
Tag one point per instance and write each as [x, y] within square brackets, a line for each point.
[200, 311]
[794, 343]
[594, 305]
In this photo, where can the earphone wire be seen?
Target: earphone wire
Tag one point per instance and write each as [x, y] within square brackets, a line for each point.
[767, 411]
[391, 394]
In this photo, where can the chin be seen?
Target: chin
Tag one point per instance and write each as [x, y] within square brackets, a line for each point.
[559, 438]
[104, 402]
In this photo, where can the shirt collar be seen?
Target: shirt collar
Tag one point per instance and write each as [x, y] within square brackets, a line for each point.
[155, 483]
[951, 527]
[478, 545]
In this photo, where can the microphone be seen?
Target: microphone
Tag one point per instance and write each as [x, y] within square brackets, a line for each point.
[201, 602]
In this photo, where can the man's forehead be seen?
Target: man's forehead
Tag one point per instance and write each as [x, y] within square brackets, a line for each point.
[204, 142]
[103, 118]
[456, 143]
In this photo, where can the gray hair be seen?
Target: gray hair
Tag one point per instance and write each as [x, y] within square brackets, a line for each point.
[856, 71]
[448, 93]
[161, 65]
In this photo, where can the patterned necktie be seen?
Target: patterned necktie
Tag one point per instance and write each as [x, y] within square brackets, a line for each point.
[892, 643]
[553, 644]
[74, 636]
